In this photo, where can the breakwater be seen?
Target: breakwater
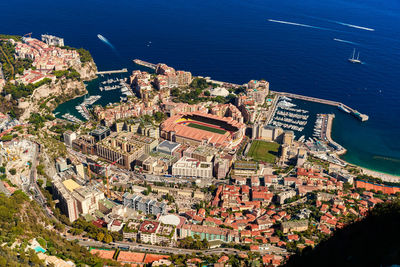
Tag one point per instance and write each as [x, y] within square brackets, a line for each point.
[362, 117]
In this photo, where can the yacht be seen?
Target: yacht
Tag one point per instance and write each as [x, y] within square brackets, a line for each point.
[355, 60]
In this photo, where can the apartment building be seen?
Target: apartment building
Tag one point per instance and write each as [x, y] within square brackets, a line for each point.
[145, 205]
[193, 168]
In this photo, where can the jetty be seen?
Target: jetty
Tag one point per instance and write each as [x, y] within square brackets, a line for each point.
[362, 117]
[327, 131]
[145, 64]
[112, 71]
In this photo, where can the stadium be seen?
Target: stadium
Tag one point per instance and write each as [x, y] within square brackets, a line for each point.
[202, 128]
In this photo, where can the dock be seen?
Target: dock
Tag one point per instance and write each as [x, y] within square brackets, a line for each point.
[145, 64]
[339, 149]
[112, 71]
[362, 117]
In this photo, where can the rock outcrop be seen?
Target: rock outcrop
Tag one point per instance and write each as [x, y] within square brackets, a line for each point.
[62, 89]
[87, 70]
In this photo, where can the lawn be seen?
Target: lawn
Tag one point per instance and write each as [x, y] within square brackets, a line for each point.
[206, 128]
[264, 151]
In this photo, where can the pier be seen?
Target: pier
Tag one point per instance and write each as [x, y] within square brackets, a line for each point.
[145, 64]
[360, 116]
[112, 71]
[328, 129]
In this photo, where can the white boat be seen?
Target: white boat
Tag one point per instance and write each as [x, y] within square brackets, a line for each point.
[284, 103]
[286, 98]
[355, 60]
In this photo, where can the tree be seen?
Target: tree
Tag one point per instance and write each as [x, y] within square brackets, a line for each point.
[159, 116]
[207, 93]
[13, 171]
[100, 237]
[40, 182]
[108, 238]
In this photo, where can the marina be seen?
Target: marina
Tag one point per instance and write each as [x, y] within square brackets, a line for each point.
[358, 115]
[82, 108]
[286, 116]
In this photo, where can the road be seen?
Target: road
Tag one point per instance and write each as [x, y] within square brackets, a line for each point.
[152, 248]
[145, 248]
[33, 186]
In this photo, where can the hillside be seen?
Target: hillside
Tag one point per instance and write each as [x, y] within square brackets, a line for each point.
[373, 241]
[21, 220]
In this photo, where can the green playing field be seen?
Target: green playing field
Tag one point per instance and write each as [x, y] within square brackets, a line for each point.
[206, 128]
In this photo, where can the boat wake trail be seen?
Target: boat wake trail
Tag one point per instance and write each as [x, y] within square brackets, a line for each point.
[354, 26]
[296, 24]
[301, 25]
[345, 41]
[104, 40]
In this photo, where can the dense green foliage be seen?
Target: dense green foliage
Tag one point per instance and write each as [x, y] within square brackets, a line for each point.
[21, 90]
[10, 65]
[39, 120]
[193, 243]
[8, 36]
[62, 127]
[372, 241]
[92, 231]
[69, 74]
[192, 94]
[83, 53]
[7, 137]
[264, 151]
[20, 221]
[199, 83]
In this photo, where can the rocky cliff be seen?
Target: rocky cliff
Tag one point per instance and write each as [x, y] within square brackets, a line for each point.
[87, 70]
[58, 92]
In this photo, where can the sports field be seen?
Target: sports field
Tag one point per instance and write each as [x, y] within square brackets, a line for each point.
[206, 128]
[264, 151]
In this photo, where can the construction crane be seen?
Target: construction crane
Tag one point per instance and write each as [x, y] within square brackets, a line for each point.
[108, 193]
[89, 171]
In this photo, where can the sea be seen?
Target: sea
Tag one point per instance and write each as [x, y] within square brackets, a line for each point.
[298, 46]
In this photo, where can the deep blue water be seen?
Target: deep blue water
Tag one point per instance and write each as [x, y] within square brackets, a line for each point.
[233, 41]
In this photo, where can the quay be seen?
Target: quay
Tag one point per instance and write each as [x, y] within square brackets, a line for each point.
[339, 149]
[112, 71]
[354, 112]
[128, 87]
[145, 64]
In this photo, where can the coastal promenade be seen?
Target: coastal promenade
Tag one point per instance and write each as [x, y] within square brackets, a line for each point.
[112, 71]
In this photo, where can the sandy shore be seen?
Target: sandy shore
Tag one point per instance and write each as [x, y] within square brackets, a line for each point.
[384, 176]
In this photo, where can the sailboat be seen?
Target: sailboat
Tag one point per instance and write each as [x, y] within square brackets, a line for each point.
[355, 60]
